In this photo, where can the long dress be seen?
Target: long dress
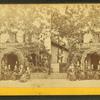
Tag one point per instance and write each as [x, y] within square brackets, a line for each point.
[72, 75]
[23, 78]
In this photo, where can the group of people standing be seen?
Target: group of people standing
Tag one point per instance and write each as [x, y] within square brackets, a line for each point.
[76, 73]
[16, 73]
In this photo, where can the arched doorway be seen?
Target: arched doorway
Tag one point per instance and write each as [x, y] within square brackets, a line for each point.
[11, 56]
[91, 59]
[10, 59]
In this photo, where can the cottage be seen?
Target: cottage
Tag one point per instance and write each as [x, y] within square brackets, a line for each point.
[59, 56]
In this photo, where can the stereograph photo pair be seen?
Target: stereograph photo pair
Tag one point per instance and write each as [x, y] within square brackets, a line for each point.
[49, 49]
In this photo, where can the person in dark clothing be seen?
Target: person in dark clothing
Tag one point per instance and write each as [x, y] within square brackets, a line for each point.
[9, 72]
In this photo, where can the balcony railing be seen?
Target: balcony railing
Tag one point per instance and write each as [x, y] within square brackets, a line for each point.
[90, 45]
[20, 45]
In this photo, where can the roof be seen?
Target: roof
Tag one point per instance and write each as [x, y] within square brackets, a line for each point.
[60, 44]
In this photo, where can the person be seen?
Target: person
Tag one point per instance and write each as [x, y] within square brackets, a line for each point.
[89, 74]
[72, 76]
[23, 78]
[2, 72]
[15, 73]
[97, 75]
[21, 71]
[92, 67]
[98, 66]
[46, 65]
[9, 72]
[28, 73]
[5, 73]
[81, 75]
[78, 69]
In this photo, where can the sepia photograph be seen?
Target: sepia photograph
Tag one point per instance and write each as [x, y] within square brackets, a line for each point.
[49, 45]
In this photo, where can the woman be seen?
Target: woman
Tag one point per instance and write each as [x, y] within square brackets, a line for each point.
[71, 75]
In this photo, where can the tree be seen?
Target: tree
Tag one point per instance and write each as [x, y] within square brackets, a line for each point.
[77, 20]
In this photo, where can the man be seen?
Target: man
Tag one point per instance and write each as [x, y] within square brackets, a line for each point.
[28, 73]
[15, 73]
[9, 72]
[5, 73]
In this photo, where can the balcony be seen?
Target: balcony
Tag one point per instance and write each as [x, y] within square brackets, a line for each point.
[20, 45]
[90, 45]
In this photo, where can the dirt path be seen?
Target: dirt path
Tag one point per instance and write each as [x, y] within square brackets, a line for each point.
[50, 83]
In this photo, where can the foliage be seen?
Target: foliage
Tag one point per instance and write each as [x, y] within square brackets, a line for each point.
[74, 23]
[28, 19]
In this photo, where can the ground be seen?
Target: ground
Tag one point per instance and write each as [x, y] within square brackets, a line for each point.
[50, 83]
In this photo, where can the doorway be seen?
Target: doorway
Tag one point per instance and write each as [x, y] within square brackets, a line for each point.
[10, 59]
[93, 60]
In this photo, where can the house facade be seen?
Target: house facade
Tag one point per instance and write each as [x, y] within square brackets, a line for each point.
[59, 55]
[14, 52]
